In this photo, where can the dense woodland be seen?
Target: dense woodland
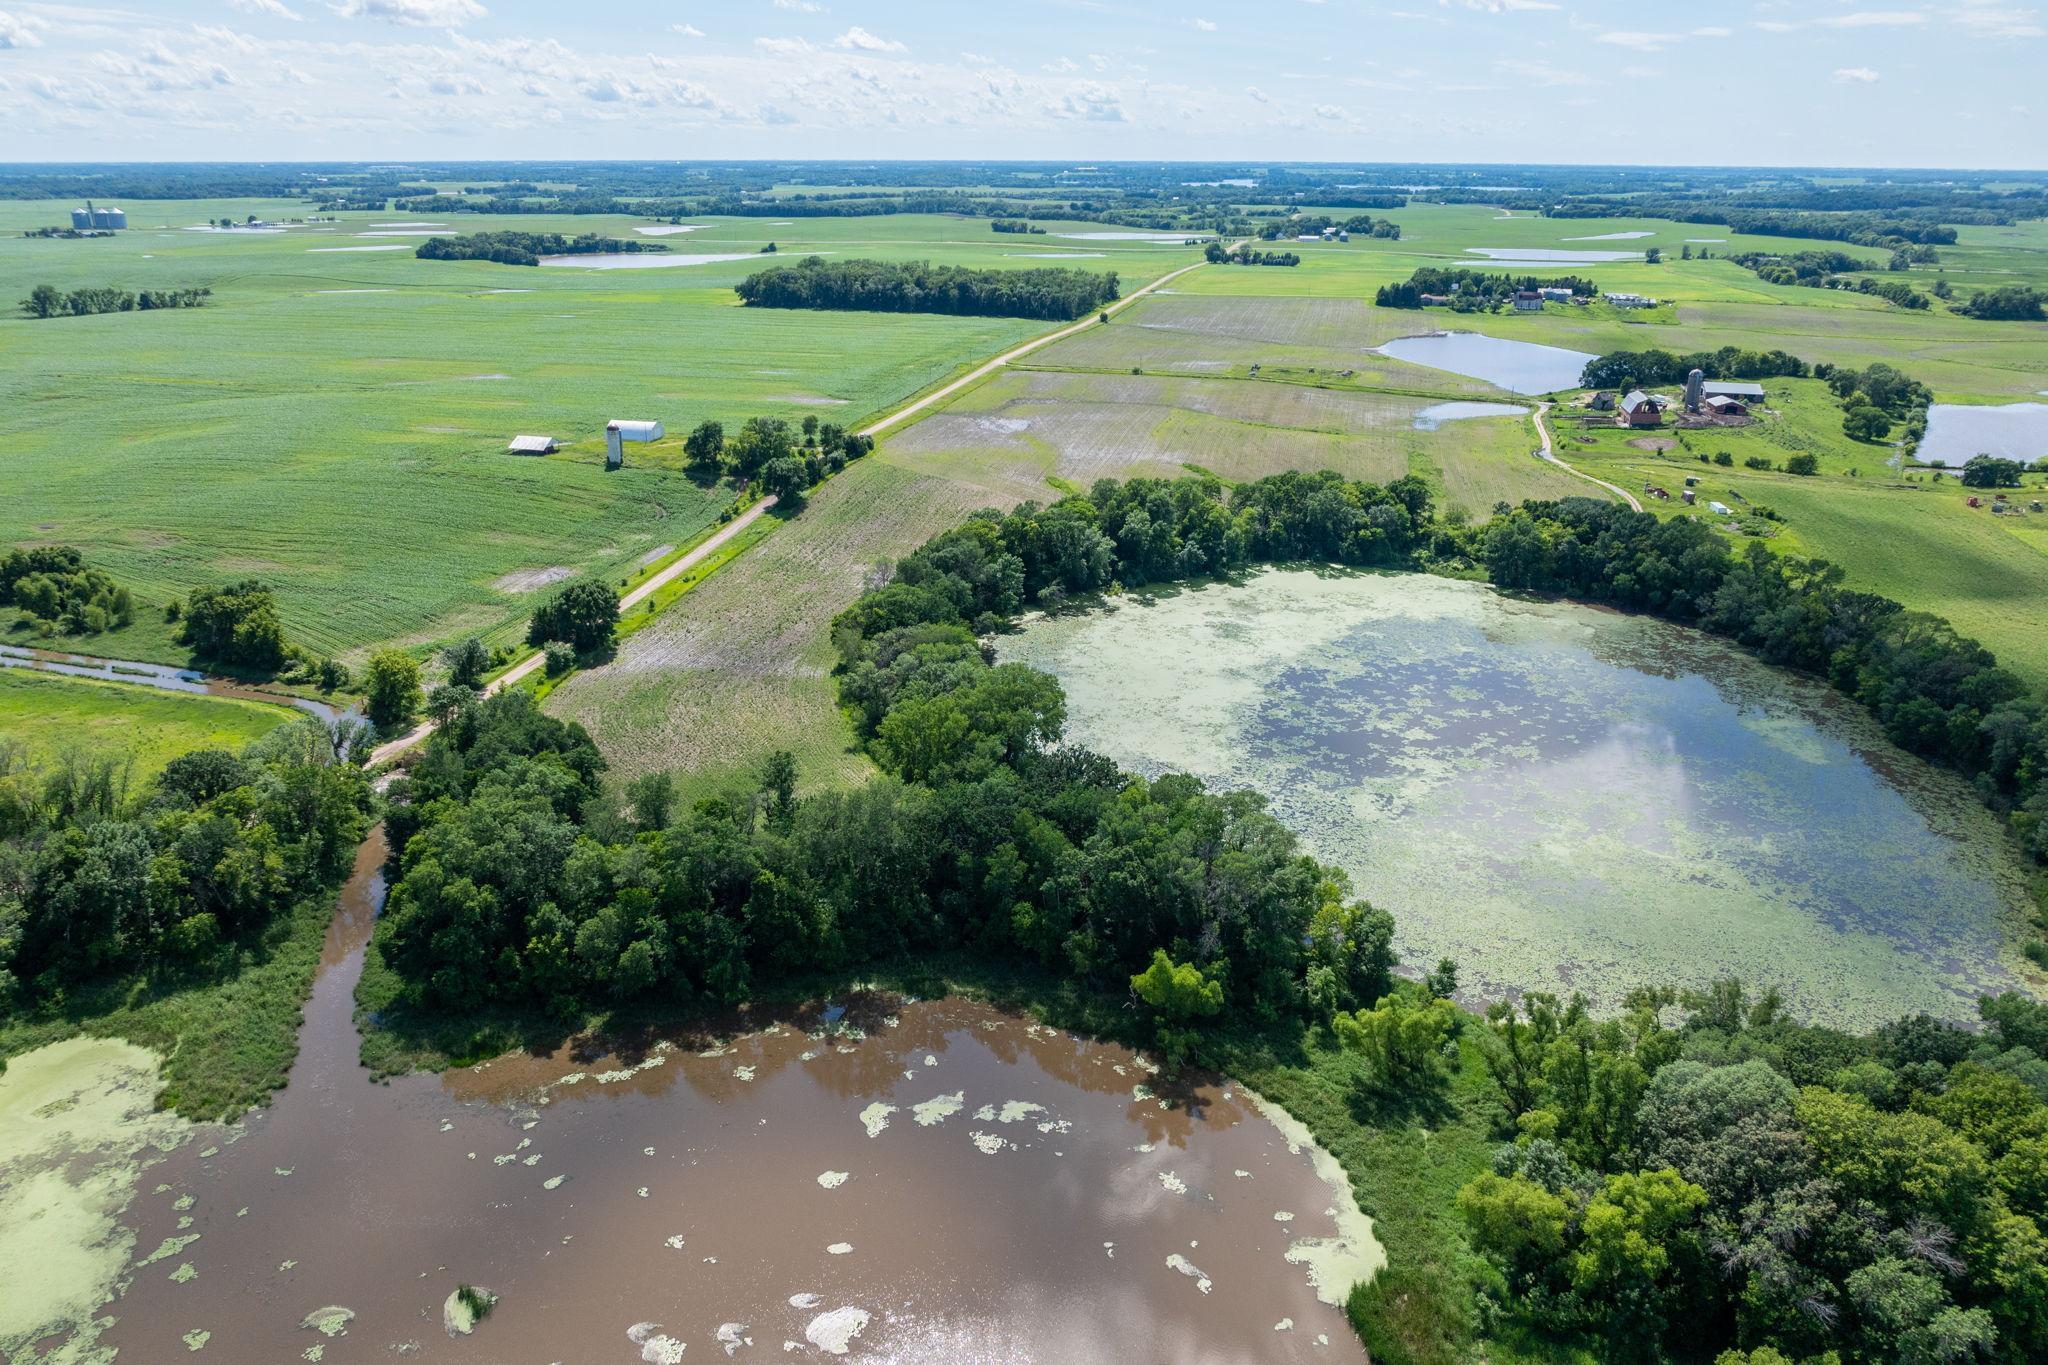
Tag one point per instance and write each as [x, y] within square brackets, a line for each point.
[1641, 369]
[183, 881]
[920, 287]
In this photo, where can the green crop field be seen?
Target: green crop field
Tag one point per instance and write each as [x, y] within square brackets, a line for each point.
[334, 421]
[52, 717]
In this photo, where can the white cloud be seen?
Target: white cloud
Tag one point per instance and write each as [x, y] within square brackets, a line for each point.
[1500, 6]
[1206, 25]
[1855, 75]
[1542, 73]
[1989, 19]
[18, 32]
[275, 9]
[858, 39]
[801, 6]
[1656, 42]
[687, 30]
[1331, 111]
[1874, 18]
[413, 13]
[1257, 94]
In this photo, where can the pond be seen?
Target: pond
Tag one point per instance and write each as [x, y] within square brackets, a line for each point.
[1956, 431]
[1517, 366]
[1560, 797]
[649, 260]
[876, 1178]
[1436, 414]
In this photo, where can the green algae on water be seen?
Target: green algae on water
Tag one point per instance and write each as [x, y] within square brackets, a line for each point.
[1562, 797]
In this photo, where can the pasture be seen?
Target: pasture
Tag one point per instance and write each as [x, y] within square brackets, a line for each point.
[55, 718]
[334, 421]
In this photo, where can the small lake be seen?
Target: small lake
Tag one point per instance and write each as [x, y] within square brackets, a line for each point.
[1523, 255]
[872, 1178]
[1560, 797]
[1956, 431]
[1517, 366]
[1436, 414]
[1177, 238]
[651, 260]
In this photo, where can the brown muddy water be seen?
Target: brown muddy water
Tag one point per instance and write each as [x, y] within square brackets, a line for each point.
[874, 1179]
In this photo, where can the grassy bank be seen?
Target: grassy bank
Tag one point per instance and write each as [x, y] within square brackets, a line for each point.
[53, 717]
[227, 1041]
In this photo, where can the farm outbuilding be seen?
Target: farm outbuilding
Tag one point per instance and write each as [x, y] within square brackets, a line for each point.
[1528, 301]
[533, 445]
[1721, 405]
[1639, 409]
[617, 432]
[1722, 388]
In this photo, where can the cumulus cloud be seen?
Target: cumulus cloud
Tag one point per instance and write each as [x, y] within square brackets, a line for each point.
[1088, 102]
[801, 6]
[858, 39]
[1257, 94]
[413, 13]
[1855, 75]
[272, 9]
[1206, 25]
[17, 32]
[687, 30]
[1990, 19]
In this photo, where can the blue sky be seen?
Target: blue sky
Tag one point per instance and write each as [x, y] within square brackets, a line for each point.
[1764, 82]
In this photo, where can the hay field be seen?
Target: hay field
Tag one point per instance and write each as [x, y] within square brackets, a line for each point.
[334, 421]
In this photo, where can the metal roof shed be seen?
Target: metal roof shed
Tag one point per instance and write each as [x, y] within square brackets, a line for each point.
[533, 445]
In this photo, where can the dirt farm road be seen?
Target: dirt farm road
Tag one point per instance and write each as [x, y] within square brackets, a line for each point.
[982, 371]
[524, 669]
[1549, 453]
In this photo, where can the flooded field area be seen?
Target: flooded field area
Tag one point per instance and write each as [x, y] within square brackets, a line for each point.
[1517, 366]
[1561, 797]
[874, 1179]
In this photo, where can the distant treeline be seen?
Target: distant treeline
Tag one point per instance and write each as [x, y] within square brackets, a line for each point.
[526, 248]
[2007, 303]
[1363, 225]
[1244, 255]
[1473, 290]
[920, 287]
[47, 301]
[1017, 225]
[1641, 369]
[1877, 228]
[61, 593]
[1831, 270]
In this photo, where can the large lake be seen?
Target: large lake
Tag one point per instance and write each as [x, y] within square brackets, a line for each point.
[874, 1178]
[1517, 366]
[1560, 797]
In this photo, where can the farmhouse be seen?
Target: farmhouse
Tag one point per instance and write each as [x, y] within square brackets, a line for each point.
[1602, 401]
[1436, 300]
[1630, 300]
[533, 445]
[1528, 301]
[1555, 294]
[1640, 409]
